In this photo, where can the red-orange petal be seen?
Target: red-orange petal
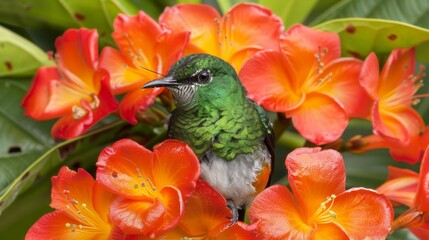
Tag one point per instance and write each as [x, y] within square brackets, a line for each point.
[329, 231]
[123, 77]
[77, 54]
[68, 127]
[204, 210]
[400, 125]
[148, 217]
[199, 20]
[422, 197]
[277, 215]
[300, 44]
[399, 66]
[363, 214]
[266, 78]
[136, 37]
[123, 166]
[174, 163]
[320, 119]
[315, 175]
[239, 38]
[136, 101]
[369, 75]
[37, 102]
[53, 226]
[401, 186]
[345, 87]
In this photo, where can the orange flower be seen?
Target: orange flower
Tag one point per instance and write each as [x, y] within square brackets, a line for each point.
[245, 29]
[417, 216]
[401, 186]
[308, 81]
[152, 185]
[319, 207]
[206, 217]
[142, 45]
[82, 210]
[75, 90]
[398, 126]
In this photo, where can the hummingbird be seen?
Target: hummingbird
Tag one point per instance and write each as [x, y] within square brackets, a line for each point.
[230, 134]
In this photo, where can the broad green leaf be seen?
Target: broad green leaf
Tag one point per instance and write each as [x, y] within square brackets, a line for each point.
[414, 12]
[18, 56]
[225, 5]
[403, 234]
[64, 14]
[292, 11]
[360, 36]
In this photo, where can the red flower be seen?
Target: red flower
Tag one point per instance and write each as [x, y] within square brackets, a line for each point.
[417, 216]
[82, 210]
[152, 186]
[76, 90]
[143, 45]
[206, 217]
[319, 207]
[245, 29]
[308, 81]
[395, 123]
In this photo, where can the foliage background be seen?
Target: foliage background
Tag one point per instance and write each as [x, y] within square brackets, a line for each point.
[28, 28]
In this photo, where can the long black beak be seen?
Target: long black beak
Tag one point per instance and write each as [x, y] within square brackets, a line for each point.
[162, 82]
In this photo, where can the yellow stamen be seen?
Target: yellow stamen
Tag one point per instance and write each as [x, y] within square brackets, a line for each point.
[324, 214]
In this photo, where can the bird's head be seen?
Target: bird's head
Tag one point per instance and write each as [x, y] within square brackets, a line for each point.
[200, 78]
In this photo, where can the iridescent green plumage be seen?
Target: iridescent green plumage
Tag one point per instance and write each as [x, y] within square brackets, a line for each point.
[230, 134]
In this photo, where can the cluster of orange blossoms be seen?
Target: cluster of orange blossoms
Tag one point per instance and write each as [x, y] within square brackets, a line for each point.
[139, 194]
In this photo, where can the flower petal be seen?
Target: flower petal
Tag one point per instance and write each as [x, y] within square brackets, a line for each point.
[300, 44]
[199, 20]
[278, 216]
[148, 217]
[399, 67]
[363, 214]
[315, 175]
[136, 36]
[422, 196]
[369, 75]
[122, 168]
[270, 84]
[345, 87]
[401, 186]
[175, 164]
[320, 119]
[204, 210]
[400, 125]
[136, 101]
[238, 32]
[329, 231]
[123, 77]
[53, 226]
[77, 54]
[102, 105]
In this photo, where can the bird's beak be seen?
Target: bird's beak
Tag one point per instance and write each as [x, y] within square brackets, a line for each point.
[162, 82]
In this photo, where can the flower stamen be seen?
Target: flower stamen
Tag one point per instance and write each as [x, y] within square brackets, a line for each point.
[324, 214]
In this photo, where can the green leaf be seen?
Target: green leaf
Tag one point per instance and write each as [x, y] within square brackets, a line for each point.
[64, 14]
[225, 5]
[401, 235]
[361, 36]
[292, 11]
[18, 56]
[414, 12]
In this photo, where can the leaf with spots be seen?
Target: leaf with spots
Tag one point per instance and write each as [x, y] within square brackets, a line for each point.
[33, 14]
[360, 36]
[18, 56]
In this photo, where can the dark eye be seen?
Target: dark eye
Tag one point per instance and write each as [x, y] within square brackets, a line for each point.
[204, 76]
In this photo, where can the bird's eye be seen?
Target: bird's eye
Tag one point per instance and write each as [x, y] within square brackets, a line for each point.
[204, 76]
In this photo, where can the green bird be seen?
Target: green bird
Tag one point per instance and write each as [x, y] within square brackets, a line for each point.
[230, 134]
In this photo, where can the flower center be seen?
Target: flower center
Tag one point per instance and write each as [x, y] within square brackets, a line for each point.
[320, 77]
[88, 220]
[324, 214]
[80, 112]
[146, 184]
